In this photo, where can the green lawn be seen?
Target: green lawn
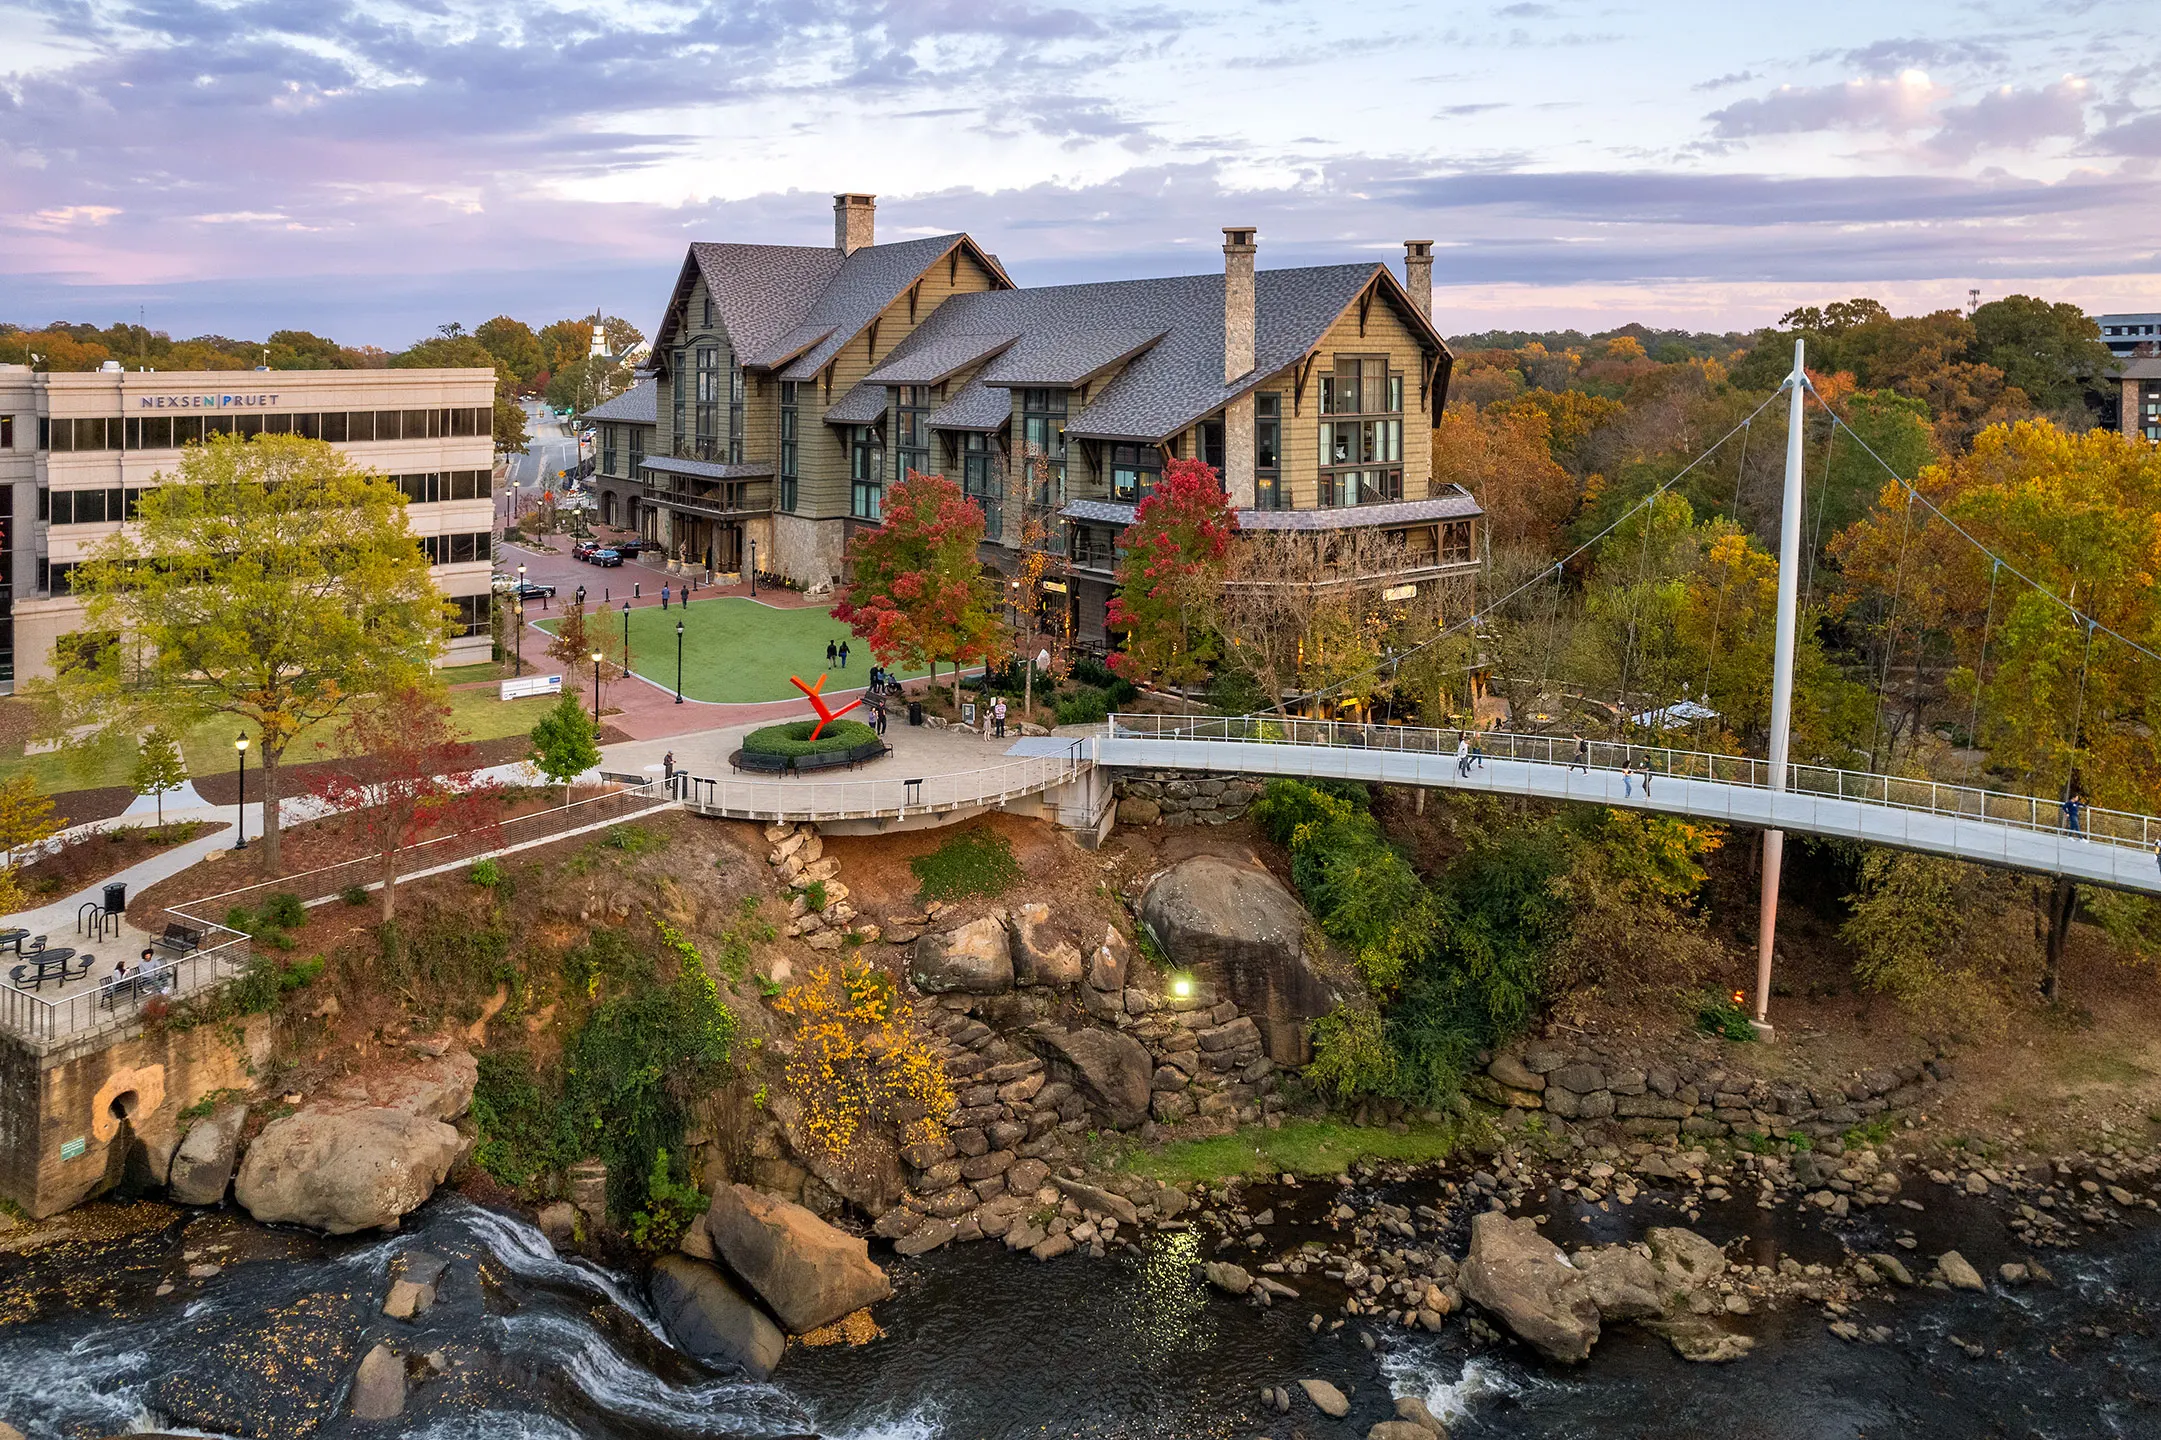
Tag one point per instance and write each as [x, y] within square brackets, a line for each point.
[734, 648]
[1301, 1147]
[208, 747]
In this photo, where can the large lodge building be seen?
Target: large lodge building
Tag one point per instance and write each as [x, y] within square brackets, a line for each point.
[789, 385]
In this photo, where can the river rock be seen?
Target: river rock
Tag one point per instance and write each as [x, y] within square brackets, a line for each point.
[1239, 924]
[1227, 1277]
[1099, 1200]
[1624, 1286]
[1399, 1430]
[203, 1164]
[1326, 1398]
[1040, 958]
[1701, 1341]
[1108, 967]
[711, 1319]
[1957, 1273]
[807, 1272]
[1687, 1260]
[1414, 1409]
[345, 1171]
[976, 959]
[379, 1386]
[1110, 1067]
[1525, 1282]
[1510, 1071]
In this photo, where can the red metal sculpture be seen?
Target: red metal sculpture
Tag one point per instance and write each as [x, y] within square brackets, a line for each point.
[817, 703]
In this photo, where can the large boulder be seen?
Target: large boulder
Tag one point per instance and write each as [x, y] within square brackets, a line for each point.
[347, 1170]
[977, 959]
[1109, 1067]
[203, 1165]
[711, 1319]
[1040, 957]
[808, 1273]
[1624, 1285]
[1240, 927]
[1527, 1284]
[1686, 1261]
[438, 1088]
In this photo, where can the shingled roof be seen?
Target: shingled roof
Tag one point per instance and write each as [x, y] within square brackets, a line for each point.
[1172, 327]
[797, 305]
[639, 405]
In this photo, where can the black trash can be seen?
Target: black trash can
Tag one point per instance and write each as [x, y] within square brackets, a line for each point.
[116, 897]
[915, 712]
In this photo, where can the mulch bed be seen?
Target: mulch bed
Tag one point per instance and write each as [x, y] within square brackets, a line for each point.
[95, 857]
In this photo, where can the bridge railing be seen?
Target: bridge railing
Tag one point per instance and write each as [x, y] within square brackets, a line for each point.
[2002, 807]
[894, 794]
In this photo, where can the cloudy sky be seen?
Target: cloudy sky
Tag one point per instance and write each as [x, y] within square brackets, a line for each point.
[368, 169]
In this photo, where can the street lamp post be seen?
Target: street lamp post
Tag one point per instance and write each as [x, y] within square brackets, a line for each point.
[626, 637]
[240, 806]
[753, 569]
[596, 687]
[678, 662]
[517, 638]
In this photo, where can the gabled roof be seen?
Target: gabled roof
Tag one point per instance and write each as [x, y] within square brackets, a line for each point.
[976, 407]
[639, 405]
[1170, 330]
[937, 359]
[863, 405]
[797, 305]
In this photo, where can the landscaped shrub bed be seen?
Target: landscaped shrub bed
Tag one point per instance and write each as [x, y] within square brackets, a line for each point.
[793, 739]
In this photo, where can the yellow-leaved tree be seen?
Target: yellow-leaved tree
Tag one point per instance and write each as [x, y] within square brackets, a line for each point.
[858, 1062]
[271, 581]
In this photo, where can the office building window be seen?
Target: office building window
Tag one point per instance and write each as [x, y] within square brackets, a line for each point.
[911, 431]
[1135, 469]
[472, 615]
[735, 414]
[866, 469]
[7, 432]
[708, 416]
[607, 451]
[982, 479]
[1268, 491]
[1043, 416]
[789, 461]
[458, 549]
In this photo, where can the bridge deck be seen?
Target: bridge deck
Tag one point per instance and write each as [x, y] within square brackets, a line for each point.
[1987, 827]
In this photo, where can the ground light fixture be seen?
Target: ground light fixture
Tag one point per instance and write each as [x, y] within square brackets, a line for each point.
[240, 806]
[596, 687]
[1182, 987]
[678, 662]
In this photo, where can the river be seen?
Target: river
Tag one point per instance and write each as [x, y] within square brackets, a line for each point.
[984, 1343]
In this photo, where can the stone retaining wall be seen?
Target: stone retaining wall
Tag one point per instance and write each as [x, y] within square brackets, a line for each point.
[1654, 1100]
[1182, 797]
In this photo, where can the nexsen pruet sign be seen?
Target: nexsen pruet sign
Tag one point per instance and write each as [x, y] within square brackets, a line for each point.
[205, 402]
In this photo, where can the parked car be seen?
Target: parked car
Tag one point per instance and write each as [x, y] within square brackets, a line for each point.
[584, 549]
[530, 590]
[637, 545]
[605, 557]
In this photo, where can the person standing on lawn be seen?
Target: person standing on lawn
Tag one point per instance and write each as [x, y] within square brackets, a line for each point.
[664, 597]
[843, 654]
[832, 653]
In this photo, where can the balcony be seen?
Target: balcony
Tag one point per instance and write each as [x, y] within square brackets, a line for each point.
[724, 500]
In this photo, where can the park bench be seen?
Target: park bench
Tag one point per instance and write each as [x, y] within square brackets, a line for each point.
[180, 939]
[758, 762]
[824, 760]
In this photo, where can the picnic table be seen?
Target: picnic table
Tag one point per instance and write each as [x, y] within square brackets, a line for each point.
[40, 966]
[12, 939]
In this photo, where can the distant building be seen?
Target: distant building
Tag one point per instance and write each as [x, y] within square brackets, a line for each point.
[77, 449]
[789, 385]
[2139, 410]
[2124, 334]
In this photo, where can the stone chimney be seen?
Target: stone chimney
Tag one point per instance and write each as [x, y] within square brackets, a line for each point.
[1238, 250]
[1418, 274]
[853, 222]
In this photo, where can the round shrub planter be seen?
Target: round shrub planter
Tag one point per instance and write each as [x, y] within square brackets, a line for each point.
[777, 749]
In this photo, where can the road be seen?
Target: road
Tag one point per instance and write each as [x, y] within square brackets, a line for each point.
[551, 448]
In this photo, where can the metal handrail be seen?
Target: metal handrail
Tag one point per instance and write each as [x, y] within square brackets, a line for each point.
[2028, 812]
[889, 797]
[36, 1018]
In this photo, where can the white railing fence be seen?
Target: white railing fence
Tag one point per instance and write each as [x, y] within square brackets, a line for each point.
[2028, 812]
[895, 794]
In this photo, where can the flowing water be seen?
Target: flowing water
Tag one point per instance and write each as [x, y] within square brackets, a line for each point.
[983, 1343]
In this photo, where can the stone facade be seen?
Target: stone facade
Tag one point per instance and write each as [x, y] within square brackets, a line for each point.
[1650, 1101]
[1182, 797]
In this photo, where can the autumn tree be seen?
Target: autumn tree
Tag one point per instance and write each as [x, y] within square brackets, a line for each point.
[465, 352]
[269, 581]
[1171, 566]
[1503, 455]
[2050, 351]
[514, 346]
[1301, 611]
[916, 590]
[26, 820]
[401, 773]
[572, 644]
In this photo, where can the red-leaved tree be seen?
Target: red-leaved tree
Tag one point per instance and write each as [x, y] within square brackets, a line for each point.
[1171, 564]
[917, 592]
[404, 774]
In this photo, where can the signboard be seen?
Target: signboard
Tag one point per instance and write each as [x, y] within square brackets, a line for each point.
[206, 402]
[73, 1149]
[528, 686]
[967, 714]
[1400, 592]
[1054, 587]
